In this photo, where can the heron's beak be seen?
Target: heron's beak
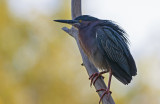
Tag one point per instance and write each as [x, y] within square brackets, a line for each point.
[71, 22]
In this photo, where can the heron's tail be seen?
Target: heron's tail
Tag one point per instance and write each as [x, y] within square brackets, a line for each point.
[120, 74]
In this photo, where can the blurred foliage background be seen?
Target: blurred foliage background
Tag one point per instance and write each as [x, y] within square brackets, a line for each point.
[41, 64]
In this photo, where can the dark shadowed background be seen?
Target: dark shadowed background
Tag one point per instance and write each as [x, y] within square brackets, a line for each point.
[41, 64]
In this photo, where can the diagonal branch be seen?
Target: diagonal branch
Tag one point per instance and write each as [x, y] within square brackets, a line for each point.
[90, 68]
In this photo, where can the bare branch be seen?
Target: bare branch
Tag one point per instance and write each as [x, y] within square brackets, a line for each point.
[90, 68]
[76, 8]
[67, 30]
[73, 32]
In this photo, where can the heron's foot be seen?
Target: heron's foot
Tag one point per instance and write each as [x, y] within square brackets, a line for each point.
[95, 76]
[106, 91]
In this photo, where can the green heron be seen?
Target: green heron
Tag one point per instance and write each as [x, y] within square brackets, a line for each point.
[106, 45]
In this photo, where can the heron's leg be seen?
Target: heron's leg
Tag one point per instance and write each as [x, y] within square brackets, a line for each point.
[109, 82]
[106, 91]
[95, 76]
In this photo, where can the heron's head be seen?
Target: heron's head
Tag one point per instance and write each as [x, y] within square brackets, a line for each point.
[78, 21]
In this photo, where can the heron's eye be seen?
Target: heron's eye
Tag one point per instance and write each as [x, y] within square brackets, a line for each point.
[80, 21]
